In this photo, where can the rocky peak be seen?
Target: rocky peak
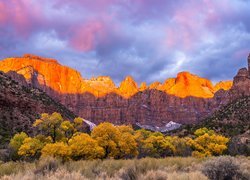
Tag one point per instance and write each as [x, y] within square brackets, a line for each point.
[155, 85]
[48, 60]
[143, 86]
[187, 84]
[225, 85]
[241, 84]
[242, 75]
[128, 87]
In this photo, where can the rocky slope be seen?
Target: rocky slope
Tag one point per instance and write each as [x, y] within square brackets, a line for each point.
[230, 120]
[20, 106]
[184, 99]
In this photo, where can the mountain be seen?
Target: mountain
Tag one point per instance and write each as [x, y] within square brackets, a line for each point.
[20, 106]
[233, 117]
[65, 80]
[185, 99]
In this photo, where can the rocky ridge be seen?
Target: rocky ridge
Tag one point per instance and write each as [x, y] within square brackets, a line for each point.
[185, 99]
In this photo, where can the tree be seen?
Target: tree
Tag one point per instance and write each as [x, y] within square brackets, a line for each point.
[107, 136]
[117, 141]
[202, 131]
[207, 143]
[157, 146]
[85, 147]
[127, 146]
[78, 124]
[31, 147]
[49, 125]
[57, 150]
[180, 145]
[17, 141]
[127, 143]
[67, 129]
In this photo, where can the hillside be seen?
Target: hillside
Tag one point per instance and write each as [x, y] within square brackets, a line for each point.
[20, 106]
[231, 120]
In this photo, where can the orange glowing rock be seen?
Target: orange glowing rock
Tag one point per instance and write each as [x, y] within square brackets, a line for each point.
[225, 85]
[65, 80]
[143, 86]
[128, 87]
[60, 78]
[187, 84]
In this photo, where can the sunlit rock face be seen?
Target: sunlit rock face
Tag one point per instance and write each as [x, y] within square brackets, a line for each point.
[60, 78]
[185, 99]
[225, 85]
[64, 80]
[187, 84]
[128, 87]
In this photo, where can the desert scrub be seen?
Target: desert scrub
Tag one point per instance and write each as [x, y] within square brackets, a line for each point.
[14, 167]
[226, 168]
[47, 165]
[171, 168]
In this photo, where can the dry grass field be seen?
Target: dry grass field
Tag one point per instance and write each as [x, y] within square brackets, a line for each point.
[171, 168]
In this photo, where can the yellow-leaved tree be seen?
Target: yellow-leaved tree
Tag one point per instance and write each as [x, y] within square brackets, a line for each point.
[158, 146]
[17, 140]
[117, 141]
[107, 136]
[127, 142]
[207, 143]
[49, 125]
[181, 146]
[85, 147]
[57, 150]
[31, 147]
[67, 129]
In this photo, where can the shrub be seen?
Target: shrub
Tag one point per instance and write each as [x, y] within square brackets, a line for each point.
[222, 168]
[46, 165]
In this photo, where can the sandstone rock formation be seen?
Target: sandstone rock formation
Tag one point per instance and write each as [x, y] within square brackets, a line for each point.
[184, 99]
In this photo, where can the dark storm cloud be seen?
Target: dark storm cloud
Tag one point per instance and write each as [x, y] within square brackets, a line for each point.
[150, 40]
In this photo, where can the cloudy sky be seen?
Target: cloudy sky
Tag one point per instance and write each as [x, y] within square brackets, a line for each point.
[148, 39]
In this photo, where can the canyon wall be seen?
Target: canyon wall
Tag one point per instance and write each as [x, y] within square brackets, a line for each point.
[184, 99]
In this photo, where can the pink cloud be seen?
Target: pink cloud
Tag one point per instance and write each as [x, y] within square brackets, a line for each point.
[87, 35]
[100, 5]
[20, 15]
[191, 21]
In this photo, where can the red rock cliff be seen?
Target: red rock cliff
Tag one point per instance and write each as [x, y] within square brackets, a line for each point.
[184, 99]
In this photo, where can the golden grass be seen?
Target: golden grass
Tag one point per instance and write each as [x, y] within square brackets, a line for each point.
[171, 168]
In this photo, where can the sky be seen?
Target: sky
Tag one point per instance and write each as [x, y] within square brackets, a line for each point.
[150, 40]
